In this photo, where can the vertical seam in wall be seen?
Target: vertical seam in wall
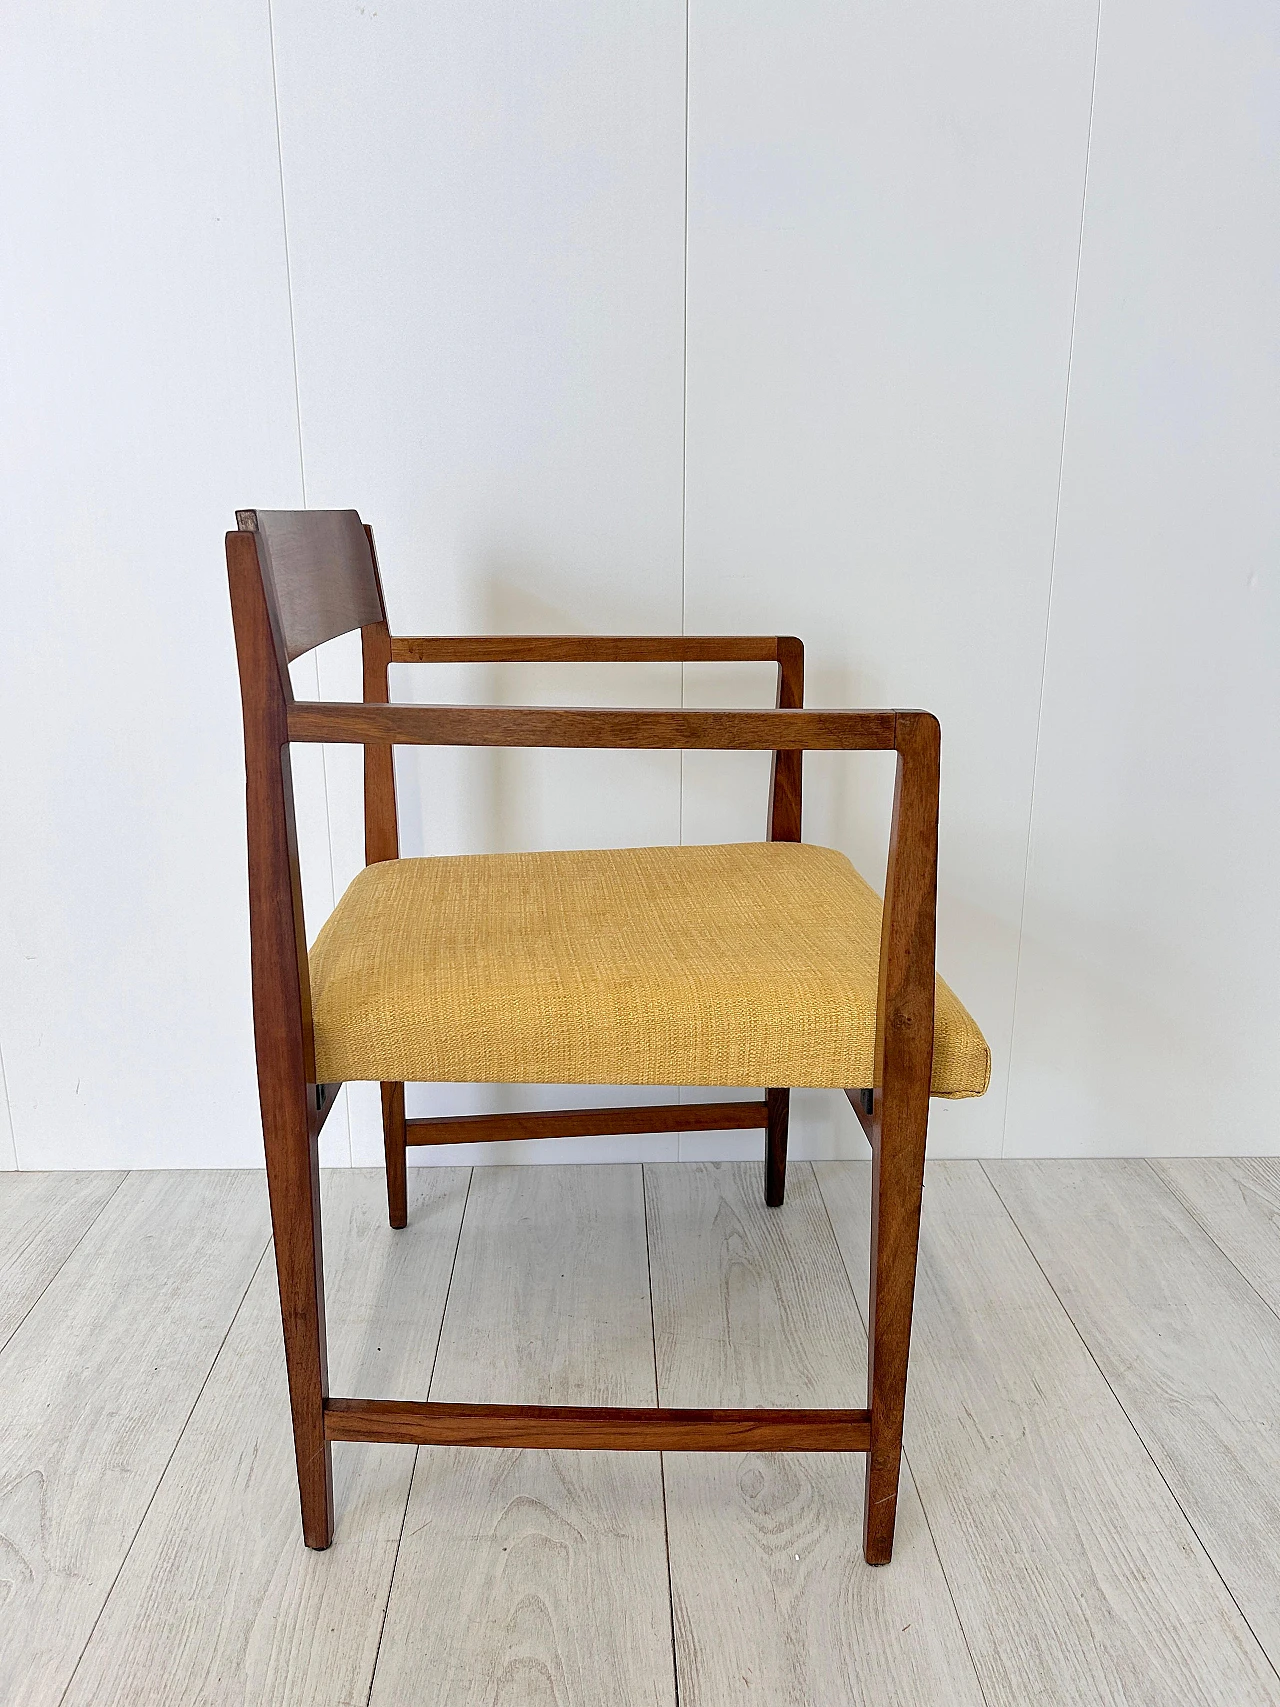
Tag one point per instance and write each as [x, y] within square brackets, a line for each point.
[684, 462]
[8, 1110]
[302, 461]
[684, 394]
[1053, 565]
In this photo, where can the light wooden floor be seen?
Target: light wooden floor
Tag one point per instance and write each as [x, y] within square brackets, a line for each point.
[1091, 1512]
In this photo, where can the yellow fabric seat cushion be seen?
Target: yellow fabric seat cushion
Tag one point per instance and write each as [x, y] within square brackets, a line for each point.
[743, 965]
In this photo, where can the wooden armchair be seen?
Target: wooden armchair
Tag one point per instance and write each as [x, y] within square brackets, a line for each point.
[770, 964]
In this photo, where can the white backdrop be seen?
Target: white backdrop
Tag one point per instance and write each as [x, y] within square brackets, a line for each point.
[944, 336]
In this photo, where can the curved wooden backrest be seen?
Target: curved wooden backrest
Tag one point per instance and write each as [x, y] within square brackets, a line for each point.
[318, 573]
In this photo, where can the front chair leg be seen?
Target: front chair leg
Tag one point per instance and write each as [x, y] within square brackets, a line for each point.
[393, 1138]
[897, 1180]
[777, 1107]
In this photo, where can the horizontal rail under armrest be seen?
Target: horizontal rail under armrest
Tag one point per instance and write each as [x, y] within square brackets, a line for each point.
[611, 1428]
[582, 648]
[590, 726]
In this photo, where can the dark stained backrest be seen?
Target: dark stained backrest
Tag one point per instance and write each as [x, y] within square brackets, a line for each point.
[319, 571]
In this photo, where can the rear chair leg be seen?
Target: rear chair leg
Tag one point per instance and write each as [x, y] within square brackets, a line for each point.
[777, 1106]
[293, 1183]
[897, 1179]
[393, 1138]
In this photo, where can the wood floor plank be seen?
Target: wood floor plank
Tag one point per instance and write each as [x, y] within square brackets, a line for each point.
[95, 1388]
[550, 1294]
[219, 1602]
[43, 1216]
[1236, 1199]
[1077, 1577]
[533, 1578]
[1187, 1345]
[773, 1601]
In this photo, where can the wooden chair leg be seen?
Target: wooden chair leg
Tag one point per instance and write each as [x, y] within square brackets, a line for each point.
[897, 1179]
[293, 1183]
[777, 1104]
[393, 1138]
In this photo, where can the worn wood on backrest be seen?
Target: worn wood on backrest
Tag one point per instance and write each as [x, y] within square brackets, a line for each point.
[319, 574]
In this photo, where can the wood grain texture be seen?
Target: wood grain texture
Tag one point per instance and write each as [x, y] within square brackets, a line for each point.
[538, 1576]
[284, 1042]
[588, 1122]
[381, 825]
[749, 1307]
[530, 1579]
[1185, 1342]
[1236, 1199]
[786, 771]
[95, 1389]
[219, 1601]
[611, 1428]
[552, 1273]
[1076, 1576]
[900, 1108]
[319, 574]
[581, 648]
[42, 1219]
[381, 828]
[590, 726]
[601, 1427]
[752, 1306]
[778, 1110]
[393, 1145]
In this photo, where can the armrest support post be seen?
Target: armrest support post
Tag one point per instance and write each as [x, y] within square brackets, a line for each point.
[900, 1108]
[785, 773]
[381, 831]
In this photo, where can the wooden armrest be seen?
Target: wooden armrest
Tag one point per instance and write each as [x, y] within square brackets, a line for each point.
[589, 648]
[593, 726]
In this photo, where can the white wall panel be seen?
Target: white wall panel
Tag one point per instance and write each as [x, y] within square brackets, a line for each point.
[148, 390]
[1149, 1000]
[486, 226]
[8, 1149]
[834, 407]
[884, 214]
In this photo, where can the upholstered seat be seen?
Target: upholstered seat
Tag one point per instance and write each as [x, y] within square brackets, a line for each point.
[750, 964]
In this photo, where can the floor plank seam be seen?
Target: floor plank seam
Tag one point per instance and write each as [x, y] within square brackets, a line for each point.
[444, 1313]
[662, 1467]
[70, 1253]
[1213, 1563]
[924, 1510]
[404, 1515]
[151, 1498]
[391, 1577]
[1150, 1162]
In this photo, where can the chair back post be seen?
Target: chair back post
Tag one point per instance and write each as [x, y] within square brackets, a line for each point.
[291, 1108]
[381, 825]
[281, 980]
[785, 771]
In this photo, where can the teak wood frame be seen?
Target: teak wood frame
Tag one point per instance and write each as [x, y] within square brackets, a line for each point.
[893, 1114]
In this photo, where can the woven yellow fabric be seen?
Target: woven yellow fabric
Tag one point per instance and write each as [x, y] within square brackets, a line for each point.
[743, 965]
